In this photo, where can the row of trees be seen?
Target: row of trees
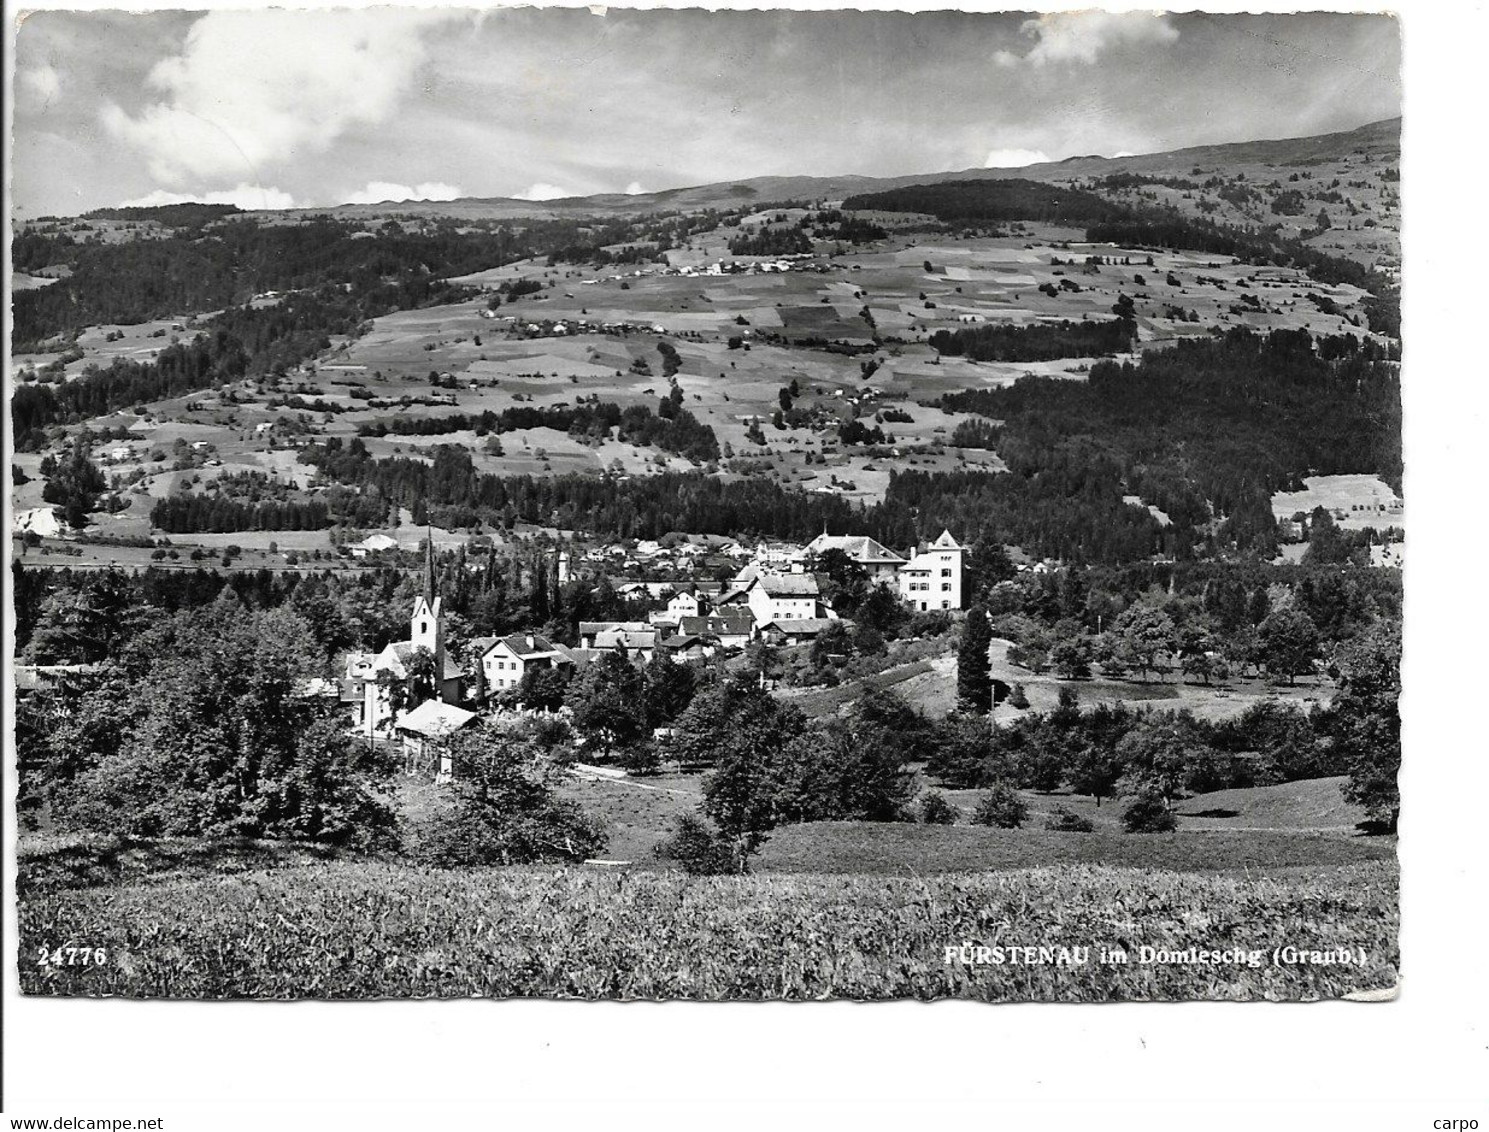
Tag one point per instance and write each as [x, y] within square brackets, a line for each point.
[1037, 342]
[671, 428]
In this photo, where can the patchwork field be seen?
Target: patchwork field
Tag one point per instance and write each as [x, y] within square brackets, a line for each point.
[595, 332]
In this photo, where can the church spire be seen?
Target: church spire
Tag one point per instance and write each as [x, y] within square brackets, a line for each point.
[429, 565]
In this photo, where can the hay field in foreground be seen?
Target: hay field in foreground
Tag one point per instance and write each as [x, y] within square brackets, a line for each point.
[357, 930]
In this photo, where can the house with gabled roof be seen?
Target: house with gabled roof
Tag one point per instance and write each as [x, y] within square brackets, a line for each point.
[730, 627]
[771, 596]
[878, 561]
[796, 631]
[502, 662]
[426, 732]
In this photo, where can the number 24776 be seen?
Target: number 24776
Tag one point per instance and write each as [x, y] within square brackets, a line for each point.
[72, 957]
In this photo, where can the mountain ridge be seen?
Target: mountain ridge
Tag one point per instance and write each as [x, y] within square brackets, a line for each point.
[1381, 137]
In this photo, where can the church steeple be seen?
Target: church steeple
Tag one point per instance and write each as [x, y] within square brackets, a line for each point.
[427, 625]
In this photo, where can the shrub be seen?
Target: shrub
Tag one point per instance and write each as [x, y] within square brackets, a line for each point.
[640, 758]
[1148, 812]
[699, 849]
[1017, 698]
[1065, 820]
[1002, 807]
[936, 810]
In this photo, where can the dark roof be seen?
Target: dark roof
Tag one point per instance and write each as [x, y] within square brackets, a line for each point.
[727, 621]
[589, 628]
[518, 644]
[789, 585]
[801, 626]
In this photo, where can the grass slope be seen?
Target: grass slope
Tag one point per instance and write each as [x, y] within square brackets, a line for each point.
[350, 930]
[903, 849]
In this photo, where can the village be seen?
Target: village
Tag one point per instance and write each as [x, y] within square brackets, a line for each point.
[775, 597]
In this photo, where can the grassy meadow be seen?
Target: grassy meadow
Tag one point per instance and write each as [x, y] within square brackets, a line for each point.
[361, 929]
[831, 909]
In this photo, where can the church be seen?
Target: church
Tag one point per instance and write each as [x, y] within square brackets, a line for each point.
[377, 673]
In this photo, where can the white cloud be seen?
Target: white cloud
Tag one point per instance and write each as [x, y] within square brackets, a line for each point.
[254, 87]
[1014, 158]
[634, 189]
[542, 190]
[42, 81]
[378, 191]
[244, 196]
[1081, 37]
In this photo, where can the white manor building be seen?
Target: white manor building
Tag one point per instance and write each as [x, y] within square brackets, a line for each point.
[931, 578]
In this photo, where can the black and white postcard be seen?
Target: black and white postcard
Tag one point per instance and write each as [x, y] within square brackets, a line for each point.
[666, 504]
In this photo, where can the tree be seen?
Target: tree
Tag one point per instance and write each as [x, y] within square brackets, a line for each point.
[885, 714]
[1070, 654]
[669, 689]
[936, 810]
[219, 740]
[1289, 643]
[1148, 811]
[1366, 722]
[66, 729]
[845, 583]
[974, 683]
[422, 677]
[1096, 770]
[1145, 631]
[699, 848]
[87, 622]
[394, 690]
[987, 565]
[881, 609]
[1283, 738]
[744, 731]
[1157, 752]
[543, 689]
[608, 699]
[964, 754]
[1042, 758]
[834, 640]
[866, 772]
[1001, 807]
[504, 809]
[764, 661]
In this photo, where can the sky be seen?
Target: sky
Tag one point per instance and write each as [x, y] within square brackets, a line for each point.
[309, 108]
